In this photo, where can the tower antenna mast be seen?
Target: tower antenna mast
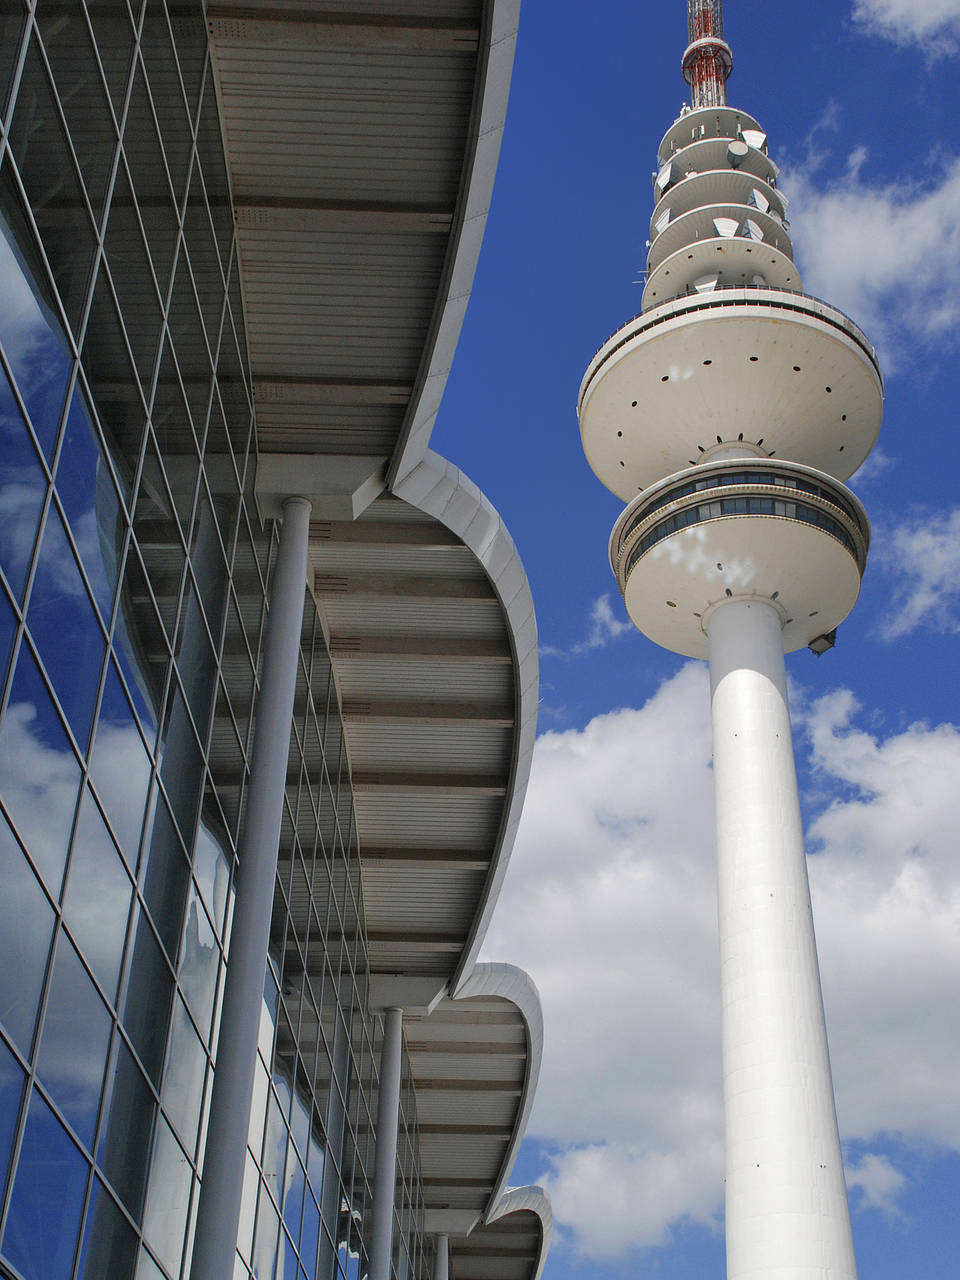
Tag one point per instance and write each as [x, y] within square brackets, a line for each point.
[708, 59]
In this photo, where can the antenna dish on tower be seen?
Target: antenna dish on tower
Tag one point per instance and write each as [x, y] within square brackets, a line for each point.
[708, 59]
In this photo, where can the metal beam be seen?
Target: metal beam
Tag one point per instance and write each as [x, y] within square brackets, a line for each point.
[467, 1130]
[258, 213]
[455, 648]
[466, 1183]
[480, 1250]
[380, 940]
[467, 1047]
[397, 711]
[338, 32]
[436, 859]
[333, 584]
[511, 1088]
[339, 391]
[385, 533]
[464, 783]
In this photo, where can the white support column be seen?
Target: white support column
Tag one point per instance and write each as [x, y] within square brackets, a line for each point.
[385, 1167]
[786, 1205]
[225, 1152]
[441, 1265]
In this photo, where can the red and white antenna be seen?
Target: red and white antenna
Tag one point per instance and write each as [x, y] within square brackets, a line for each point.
[708, 59]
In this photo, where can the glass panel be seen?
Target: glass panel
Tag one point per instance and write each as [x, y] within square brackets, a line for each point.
[251, 1179]
[210, 147]
[40, 146]
[166, 91]
[113, 35]
[30, 333]
[168, 1198]
[74, 1042]
[190, 40]
[140, 646]
[309, 1233]
[208, 276]
[167, 877]
[125, 1132]
[159, 538]
[175, 438]
[274, 1146]
[97, 899]
[147, 1269]
[199, 963]
[40, 1237]
[184, 1077]
[66, 39]
[146, 1009]
[39, 774]
[190, 346]
[293, 1197]
[8, 630]
[11, 1090]
[89, 499]
[258, 1106]
[22, 484]
[212, 870]
[265, 1244]
[65, 628]
[11, 28]
[26, 927]
[109, 1243]
[113, 384]
[233, 394]
[120, 767]
[132, 277]
[148, 173]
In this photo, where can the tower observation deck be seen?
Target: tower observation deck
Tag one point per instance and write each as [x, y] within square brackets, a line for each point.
[727, 416]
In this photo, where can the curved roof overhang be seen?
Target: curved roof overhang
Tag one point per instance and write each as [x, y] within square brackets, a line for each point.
[361, 149]
[475, 1061]
[511, 1244]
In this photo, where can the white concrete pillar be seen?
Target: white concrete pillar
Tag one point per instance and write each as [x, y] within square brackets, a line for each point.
[385, 1167]
[786, 1204]
[218, 1213]
[441, 1264]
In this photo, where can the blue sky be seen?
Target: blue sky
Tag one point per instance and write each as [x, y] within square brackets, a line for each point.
[609, 899]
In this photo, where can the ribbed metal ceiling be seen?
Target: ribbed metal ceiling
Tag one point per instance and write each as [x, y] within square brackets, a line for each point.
[352, 132]
[425, 673]
[346, 128]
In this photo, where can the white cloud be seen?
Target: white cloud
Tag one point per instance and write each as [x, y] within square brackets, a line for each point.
[604, 627]
[610, 903]
[934, 24]
[878, 1183]
[888, 255]
[923, 555]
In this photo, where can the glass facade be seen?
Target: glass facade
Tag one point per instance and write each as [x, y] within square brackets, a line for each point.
[134, 577]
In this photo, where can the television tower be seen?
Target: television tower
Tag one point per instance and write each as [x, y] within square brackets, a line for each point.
[727, 414]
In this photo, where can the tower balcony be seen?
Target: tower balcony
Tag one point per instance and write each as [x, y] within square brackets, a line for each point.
[710, 155]
[740, 528]
[746, 191]
[780, 373]
[720, 262]
[710, 122]
[731, 221]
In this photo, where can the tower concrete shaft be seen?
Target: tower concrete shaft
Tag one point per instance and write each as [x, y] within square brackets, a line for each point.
[786, 1206]
[727, 415]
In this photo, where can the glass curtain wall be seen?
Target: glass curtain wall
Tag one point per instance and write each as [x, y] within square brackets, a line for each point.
[133, 572]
